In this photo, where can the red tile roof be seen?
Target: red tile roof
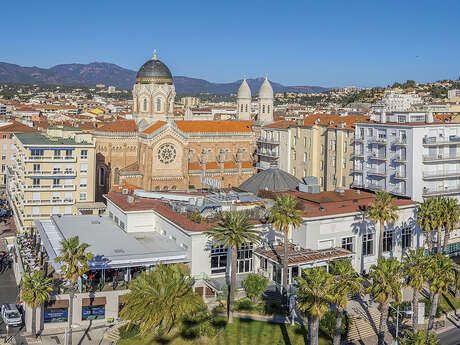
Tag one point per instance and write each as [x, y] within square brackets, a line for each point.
[17, 127]
[154, 127]
[215, 126]
[127, 126]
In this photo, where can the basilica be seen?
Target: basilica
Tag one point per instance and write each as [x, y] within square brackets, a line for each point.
[157, 151]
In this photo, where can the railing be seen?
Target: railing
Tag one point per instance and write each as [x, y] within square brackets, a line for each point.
[51, 158]
[357, 155]
[376, 140]
[268, 154]
[400, 159]
[53, 172]
[358, 185]
[433, 141]
[400, 176]
[398, 191]
[378, 156]
[377, 173]
[268, 140]
[50, 187]
[48, 201]
[441, 191]
[400, 141]
[440, 157]
[439, 174]
[266, 166]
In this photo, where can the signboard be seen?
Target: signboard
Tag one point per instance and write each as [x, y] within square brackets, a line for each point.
[87, 311]
[421, 313]
[55, 315]
[208, 181]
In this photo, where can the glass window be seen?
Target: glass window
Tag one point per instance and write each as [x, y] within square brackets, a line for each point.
[219, 260]
[388, 241]
[368, 244]
[245, 259]
[145, 104]
[93, 312]
[83, 183]
[158, 104]
[406, 238]
[83, 169]
[347, 243]
[84, 154]
[36, 181]
[57, 153]
[82, 196]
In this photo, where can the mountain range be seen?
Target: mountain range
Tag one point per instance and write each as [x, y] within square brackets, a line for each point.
[111, 74]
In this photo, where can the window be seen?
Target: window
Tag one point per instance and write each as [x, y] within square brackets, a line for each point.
[368, 244]
[263, 109]
[3, 158]
[4, 136]
[68, 210]
[158, 104]
[345, 147]
[145, 104]
[245, 259]
[305, 142]
[83, 183]
[57, 153]
[56, 182]
[68, 196]
[55, 210]
[321, 181]
[241, 107]
[305, 156]
[110, 215]
[246, 107]
[122, 225]
[344, 181]
[294, 155]
[333, 162]
[294, 171]
[56, 196]
[347, 243]
[35, 210]
[36, 168]
[4, 146]
[406, 238]
[388, 240]
[83, 169]
[3, 167]
[321, 165]
[84, 154]
[83, 196]
[344, 163]
[68, 153]
[268, 108]
[101, 176]
[219, 260]
[36, 153]
[36, 181]
[322, 148]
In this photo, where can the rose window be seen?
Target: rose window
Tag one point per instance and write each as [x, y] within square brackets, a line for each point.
[167, 153]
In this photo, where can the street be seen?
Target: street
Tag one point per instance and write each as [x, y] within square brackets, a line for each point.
[451, 337]
[8, 294]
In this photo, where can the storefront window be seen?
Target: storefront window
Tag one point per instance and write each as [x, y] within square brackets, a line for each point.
[94, 312]
[55, 315]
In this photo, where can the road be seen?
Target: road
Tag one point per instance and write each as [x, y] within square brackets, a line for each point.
[8, 294]
[451, 337]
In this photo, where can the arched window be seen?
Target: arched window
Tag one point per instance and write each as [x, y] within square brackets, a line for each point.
[157, 188]
[268, 108]
[101, 176]
[173, 187]
[246, 108]
[263, 108]
[165, 188]
[241, 107]
[145, 104]
[158, 104]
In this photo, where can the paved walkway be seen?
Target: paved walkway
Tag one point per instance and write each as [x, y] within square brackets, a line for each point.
[91, 336]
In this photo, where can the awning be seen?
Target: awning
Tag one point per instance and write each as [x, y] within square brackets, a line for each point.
[86, 302]
[62, 303]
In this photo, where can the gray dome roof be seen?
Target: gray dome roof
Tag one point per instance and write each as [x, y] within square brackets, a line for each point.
[154, 72]
[244, 92]
[273, 179]
[266, 90]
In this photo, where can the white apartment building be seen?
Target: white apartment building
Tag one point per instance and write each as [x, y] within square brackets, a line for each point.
[453, 94]
[408, 154]
[395, 101]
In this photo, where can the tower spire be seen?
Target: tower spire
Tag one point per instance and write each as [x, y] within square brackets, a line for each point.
[154, 54]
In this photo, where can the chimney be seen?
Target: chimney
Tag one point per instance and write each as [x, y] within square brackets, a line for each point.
[429, 117]
[383, 117]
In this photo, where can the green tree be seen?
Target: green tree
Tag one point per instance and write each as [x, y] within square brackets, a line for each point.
[451, 218]
[426, 220]
[439, 216]
[421, 337]
[234, 231]
[314, 297]
[255, 285]
[386, 287]
[160, 299]
[440, 272]
[382, 211]
[74, 260]
[414, 269]
[346, 283]
[284, 216]
[35, 291]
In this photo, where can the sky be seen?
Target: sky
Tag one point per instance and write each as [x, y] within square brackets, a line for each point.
[325, 43]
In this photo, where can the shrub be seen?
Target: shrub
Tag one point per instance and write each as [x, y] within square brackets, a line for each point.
[327, 323]
[427, 308]
[129, 332]
[243, 304]
[195, 217]
[273, 308]
[219, 308]
[199, 324]
[254, 286]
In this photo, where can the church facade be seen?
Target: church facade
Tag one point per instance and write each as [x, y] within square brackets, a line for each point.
[155, 151]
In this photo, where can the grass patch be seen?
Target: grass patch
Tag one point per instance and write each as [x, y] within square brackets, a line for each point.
[240, 332]
[448, 302]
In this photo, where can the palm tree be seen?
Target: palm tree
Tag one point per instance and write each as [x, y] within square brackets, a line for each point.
[451, 218]
[414, 269]
[382, 211]
[426, 220]
[314, 296]
[35, 291]
[385, 288]
[440, 271]
[74, 262]
[160, 299]
[421, 337]
[233, 230]
[346, 282]
[284, 216]
[439, 214]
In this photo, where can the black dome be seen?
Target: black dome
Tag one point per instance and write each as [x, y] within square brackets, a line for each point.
[154, 72]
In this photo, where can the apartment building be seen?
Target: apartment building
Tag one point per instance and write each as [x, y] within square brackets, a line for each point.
[319, 145]
[410, 154]
[52, 175]
[396, 101]
[7, 146]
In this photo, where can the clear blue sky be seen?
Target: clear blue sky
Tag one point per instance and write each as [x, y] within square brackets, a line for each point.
[327, 43]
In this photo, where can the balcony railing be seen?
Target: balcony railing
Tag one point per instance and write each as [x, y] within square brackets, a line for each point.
[357, 170]
[400, 142]
[266, 166]
[400, 159]
[375, 140]
[441, 174]
[51, 158]
[53, 173]
[434, 141]
[268, 154]
[49, 187]
[377, 173]
[358, 185]
[268, 140]
[357, 155]
[378, 156]
[441, 191]
[398, 191]
[50, 202]
[400, 176]
[440, 158]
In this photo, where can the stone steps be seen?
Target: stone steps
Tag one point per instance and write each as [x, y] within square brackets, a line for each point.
[364, 325]
[113, 334]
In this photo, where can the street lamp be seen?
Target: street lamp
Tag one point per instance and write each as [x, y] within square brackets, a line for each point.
[406, 312]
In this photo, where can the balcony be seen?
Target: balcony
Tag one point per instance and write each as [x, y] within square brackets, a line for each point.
[400, 142]
[441, 174]
[400, 159]
[379, 141]
[50, 159]
[378, 156]
[400, 176]
[358, 139]
[438, 141]
[52, 187]
[268, 140]
[375, 187]
[50, 202]
[53, 173]
[440, 158]
[398, 191]
[358, 184]
[357, 155]
[377, 173]
[441, 191]
[357, 170]
[268, 154]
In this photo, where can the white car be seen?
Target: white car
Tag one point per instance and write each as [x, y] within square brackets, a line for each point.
[11, 315]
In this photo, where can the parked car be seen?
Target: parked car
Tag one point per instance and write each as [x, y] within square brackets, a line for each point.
[11, 315]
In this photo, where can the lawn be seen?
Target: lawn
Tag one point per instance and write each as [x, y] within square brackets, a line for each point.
[240, 332]
[448, 302]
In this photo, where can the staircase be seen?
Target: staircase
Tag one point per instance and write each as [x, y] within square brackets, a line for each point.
[113, 334]
[364, 324]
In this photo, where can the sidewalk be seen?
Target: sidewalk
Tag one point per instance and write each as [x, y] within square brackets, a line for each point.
[80, 336]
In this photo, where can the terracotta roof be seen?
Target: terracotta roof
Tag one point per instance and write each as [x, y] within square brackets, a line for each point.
[298, 255]
[17, 127]
[144, 204]
[215, 126]
[283, 124]
[127, 126]
[154, 127]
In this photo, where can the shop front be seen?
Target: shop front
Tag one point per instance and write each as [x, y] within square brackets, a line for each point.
[56, 311]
